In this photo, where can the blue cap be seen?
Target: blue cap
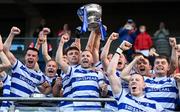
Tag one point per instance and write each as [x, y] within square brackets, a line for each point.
[130, 21]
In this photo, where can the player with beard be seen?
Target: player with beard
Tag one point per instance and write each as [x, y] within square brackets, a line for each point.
[84, 81]
[134, 100]
[24, 77]
[105, 62]
[161, 88]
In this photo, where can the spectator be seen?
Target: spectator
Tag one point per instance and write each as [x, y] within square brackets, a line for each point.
[161, 40]
[128, 33]
[65, 29]
[143, 41]
[40, 28]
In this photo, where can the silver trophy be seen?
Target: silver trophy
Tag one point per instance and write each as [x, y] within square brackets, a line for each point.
[94, 13]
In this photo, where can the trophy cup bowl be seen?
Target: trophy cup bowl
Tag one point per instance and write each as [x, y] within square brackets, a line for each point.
[94, 13]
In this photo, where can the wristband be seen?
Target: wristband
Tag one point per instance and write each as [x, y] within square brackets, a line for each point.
[119, 50]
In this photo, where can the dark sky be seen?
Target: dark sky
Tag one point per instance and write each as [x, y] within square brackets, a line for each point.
[114, 15]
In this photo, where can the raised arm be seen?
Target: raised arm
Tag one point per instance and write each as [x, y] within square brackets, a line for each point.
[5, 62]
[174, 58]
[90, 42]
[96, 46]
[59, 53]
[115, 82]
[105, 51]
[7, 45]
[45, 45]
[125, 74]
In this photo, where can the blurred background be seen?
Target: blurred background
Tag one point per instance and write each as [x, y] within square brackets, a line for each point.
[30, 14]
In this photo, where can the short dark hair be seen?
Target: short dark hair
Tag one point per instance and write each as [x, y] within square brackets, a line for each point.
[71, 48]
[163, 57]
[33, 49]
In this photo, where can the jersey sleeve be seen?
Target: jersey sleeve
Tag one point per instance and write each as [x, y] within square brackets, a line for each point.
[101, 78]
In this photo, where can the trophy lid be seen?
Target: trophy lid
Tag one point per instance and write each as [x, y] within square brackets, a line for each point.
[89, 8]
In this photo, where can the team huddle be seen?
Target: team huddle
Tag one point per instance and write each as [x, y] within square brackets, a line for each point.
[137, 86]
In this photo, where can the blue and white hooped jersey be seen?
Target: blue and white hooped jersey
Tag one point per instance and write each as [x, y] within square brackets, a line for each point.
[162, 90]
[67, 88]
[85, 84]
[128, 103]
[113, 105]
[6, 92]
[24, 80]
[99, 65]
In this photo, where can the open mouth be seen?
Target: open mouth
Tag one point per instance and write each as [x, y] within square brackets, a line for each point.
[85, 61]
[50, 70]
[160, 68]
[142, 69]
[133, 88]
[30, 62]
[119, 63]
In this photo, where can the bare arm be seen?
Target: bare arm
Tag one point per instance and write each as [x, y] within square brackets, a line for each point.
[115, 82]
[45, 45]
[106, 48]
[90, 42]
[96, 46]
[174, 58]
[125, 74]
[59, 53]
[7, 45]
[5, 62]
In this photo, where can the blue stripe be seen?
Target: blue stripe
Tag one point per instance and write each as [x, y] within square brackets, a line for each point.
[120, 95]
[6, 95]
[5, 79]
[65, 103]
[14, 95]
[84, 71]
[129, 107]
[85, 88]
[98, 64]
[78, 108]
[151, 81]
[86, 96]
[146, 104]
[21, 88]
[110, 93]
[15, 65]
[170, 109]
[67, 94]
[165, 89]
[7, 104]
[23, 78]
[7, 87]
[85, 78]
[113, 104]
[76, 66]
[163, 99]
